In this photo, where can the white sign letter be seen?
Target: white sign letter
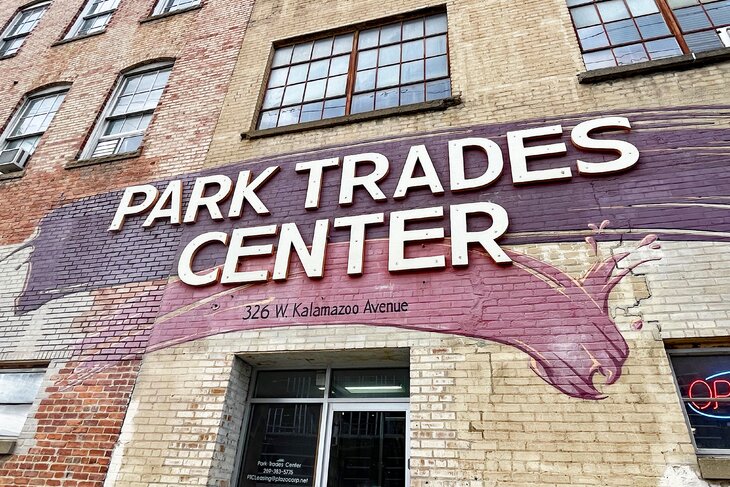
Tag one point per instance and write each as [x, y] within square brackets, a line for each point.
[198, 198]
[185, 264]
[313, 262]
[518, 155]
[246, 191]
[350, 179]
[357, 238]
[126, 208]
[628, 153]
[173, 193]
[418, 155]
[495, 163]
[461, 237]
[397, 260]
[314, 185]
[236, 250]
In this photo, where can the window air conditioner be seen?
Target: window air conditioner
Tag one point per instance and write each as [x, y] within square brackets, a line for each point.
[724, 33]
[13, 160]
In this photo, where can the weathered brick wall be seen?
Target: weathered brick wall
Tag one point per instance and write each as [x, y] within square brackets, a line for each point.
[70, 435]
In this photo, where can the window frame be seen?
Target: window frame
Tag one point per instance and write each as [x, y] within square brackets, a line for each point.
[162, 9]
[31, 369]
[106, 114]
[12, 124]
[329, 406]
[5, 36]
[698, 351]
[669, 17]
[74, 31]
[355, 29]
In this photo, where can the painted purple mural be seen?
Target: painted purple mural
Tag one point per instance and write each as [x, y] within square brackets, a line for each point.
[679, 190]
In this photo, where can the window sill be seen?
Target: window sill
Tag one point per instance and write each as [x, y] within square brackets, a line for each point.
[714, 468]
[152, 18]
[11, 176]
[103, 160]
[8, 56]
[77, 38]
[434, 105]
[6, 446]
[678, 63]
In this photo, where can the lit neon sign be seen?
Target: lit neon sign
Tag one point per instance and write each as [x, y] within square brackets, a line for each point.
[708, 389]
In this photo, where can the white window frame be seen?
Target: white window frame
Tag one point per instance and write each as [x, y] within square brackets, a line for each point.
[168, 7]
[85, 15]
[330, 405]
[29, 370]
[6, 36]
[96, 134]
[10, 128]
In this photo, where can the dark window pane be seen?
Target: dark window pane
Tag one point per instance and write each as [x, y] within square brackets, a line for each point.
[652, 26]
[436, 67]
[663, 48]
[311, 112]
[692, 18]
[363, 103]
[622, 32]
[630, 54]
[268, 119]
[585, 16]
[389, 55]
[322, 48]
[719, 12]
[339, 65]
[290, 384]
[365, 80]
[592, 37]
[703, 41]
[368, 448]
[282, 442]
[386, 98]
[334, 108]
[390, 34]
[412, 71]
[412, 50]
[436, 90]
[336, 86]
[412, 94]
[388, 76]
[343, 44]
[363, 383]
[367, 59]
[436, 45]
[613, 10]
[412, 29]
[319, 69]
[368, 38]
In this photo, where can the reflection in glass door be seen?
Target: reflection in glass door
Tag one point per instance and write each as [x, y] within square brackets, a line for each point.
[367, 448]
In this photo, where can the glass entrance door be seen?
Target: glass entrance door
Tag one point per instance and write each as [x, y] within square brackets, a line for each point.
[366, 445]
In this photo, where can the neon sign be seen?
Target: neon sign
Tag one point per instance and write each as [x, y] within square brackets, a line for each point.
[708, 389]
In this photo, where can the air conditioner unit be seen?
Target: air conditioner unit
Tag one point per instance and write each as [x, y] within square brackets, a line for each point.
[13, 160]
[724, 33]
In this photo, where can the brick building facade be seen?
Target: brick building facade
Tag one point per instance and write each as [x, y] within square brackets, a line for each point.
[579, 339]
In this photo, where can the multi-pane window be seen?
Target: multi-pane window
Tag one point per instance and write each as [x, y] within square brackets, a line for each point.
[94, 17]
[20, 28]
[18, 389]
[166, 6]
[703, 378]
[400, 63]
[129, 113]
[620, 32]
[329, 427]
[26, 128]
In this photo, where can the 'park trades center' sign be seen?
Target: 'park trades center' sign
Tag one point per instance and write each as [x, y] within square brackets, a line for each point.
[418, 171]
